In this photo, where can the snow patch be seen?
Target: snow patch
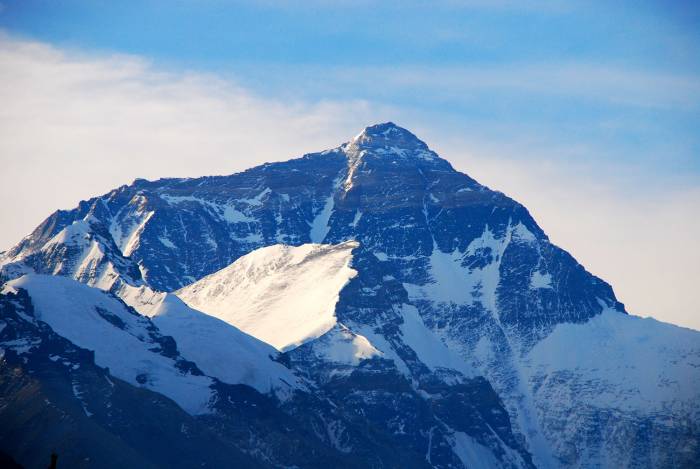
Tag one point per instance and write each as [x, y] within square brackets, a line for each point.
[258, 199]
[133, 239]
[540, 280]
[428, 346]
[341, 345]
[71, 309]
[166, 242]
[319, 227]
[473, 454]
[226, 212]
[232, 215]
[219, 349]
[356, 220]
[282, 295]
[621, 361]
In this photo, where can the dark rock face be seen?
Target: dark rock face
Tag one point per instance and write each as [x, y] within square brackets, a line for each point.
[440, 256]
[54, 398]
[385, 189]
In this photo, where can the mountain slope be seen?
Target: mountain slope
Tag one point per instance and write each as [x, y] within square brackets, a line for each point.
[223, 351]
[288, 295]
[468, 305]
[121, 339]
[53, 397]
[57, 395]
[284, 296]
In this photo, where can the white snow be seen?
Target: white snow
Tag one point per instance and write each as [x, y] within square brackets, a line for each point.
[86, 261]
[427, 345]
[379, 342]
[219, 349]
[623, 362]
[521, 232]
[142, 299]
[177, 199]
[166, 242]
[257, 200]
[540, 280]
[354, 161]
[473, 454]
[319, 227]
[282, 295]
[78, 393]
[356, 220]
[74, 234]
[224, 211]
[134, 238]
[128, 224]
[69, 307]
[232, 215]
[451, 282]
[336, 432]
[341, 345]
[381, 256]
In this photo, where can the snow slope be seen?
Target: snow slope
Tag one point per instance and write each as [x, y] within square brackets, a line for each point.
[282, 295]
[82, 250]
[627, 362]
[221, 350]
[123, 341]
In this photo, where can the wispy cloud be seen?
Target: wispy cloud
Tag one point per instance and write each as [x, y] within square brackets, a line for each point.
[604, 83]
[73, 125]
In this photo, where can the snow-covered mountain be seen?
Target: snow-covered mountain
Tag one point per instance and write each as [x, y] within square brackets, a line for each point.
[283, 295]
[383, 301]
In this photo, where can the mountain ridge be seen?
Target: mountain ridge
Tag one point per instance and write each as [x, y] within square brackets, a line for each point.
[460, 292]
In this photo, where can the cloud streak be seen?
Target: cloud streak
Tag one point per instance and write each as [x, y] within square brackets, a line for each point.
[73, 125]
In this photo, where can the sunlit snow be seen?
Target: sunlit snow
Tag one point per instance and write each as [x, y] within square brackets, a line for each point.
[282, 295]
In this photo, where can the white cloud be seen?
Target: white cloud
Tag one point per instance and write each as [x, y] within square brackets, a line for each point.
[600, 83]
[74, 125]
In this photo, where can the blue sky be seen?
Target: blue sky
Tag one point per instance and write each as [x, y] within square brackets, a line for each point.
[587, 112]
[621, 74]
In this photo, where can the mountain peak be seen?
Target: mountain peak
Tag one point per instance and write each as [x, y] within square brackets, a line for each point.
[387, 135]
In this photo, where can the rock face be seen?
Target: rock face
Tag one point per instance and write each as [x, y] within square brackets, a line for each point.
[463, 337]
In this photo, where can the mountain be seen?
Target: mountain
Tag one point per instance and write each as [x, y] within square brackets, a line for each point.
[54, 397]
[414, 316]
